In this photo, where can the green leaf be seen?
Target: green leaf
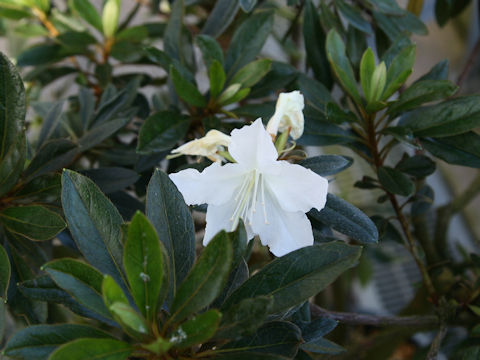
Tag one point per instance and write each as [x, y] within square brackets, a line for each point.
[172, 38]
[128, 317]
[354, 16]
[322, 346]
[112, 293]
[2, 314]
[162, 131]
[98, 349]
[274, 338]
[325, 165]
[4, 274]
[395, 181]
[341, 65]
[12, 106]
[210, 49]
[220, 17]
[247, 5]
[167, 211]
[399, 70]
[94, 223]
[235, 96]
[437, 72]
[146, 265]
[463, 149]
[42, 54]
[112, 179]
[244, 318]
[206, 279]
[314, 92]
[252, 73]
[295, 277]
[315, 45]
[420, 93]
[367, 67]
[186, 90]
[346, 219]
[101, 132]
[197, 330]
[80, 280]
[423, 201]
[217, 78]
[33, 221]
[248, 40]
[451, 117]
[419, 166]
[12, 163]
[39, 341]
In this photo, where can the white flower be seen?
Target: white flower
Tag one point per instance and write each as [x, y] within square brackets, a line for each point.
[270, 196]
[205, 146]
[288, 114]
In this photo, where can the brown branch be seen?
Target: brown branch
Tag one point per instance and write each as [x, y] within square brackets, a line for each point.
[468, 65]
[373, 320]
[435, 347]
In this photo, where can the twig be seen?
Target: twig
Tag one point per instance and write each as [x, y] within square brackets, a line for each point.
[435, 347]
[372, 320]
[468, 65]
[293, 23]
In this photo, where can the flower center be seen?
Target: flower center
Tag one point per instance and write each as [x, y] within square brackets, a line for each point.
[251, 190]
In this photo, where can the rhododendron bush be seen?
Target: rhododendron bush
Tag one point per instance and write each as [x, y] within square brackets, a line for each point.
[162, 196]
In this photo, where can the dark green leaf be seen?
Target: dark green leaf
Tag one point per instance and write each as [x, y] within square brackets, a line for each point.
[12, 106]
[94, 223]
[347, 219]
[297, 276]
[210, 48]
[244, 318]
[197, 330]
[88, 12]
[4, 274]
[252, 73]
[42, 54]
[98, 349]
[386, 230]
[146, 265]
[161, 58]
[162, 131]
[80, 280]
[217, 78]
[50, 122]
[463, 149]
[220, 17]
[171, 218]
[101, 132]
[112, 179]
[422, 92]
[109, 109]
[206, 279]
[319, 132]
[317, 328]
[279, 77]
[237, 277]
[325, 165]
[315, 45]
[356, 45]
[34, 222]
[186, 90]
[341, 65]
[172, 38]
[12, 163]
[423, 200]
[419, 166]
[37, 342]
[274, 338]
[354, 16]
[451, 117]
[395, 181]
[247, 41]
[399, 70]
[322, 346]
[315, 92]
[2, 313]
[448, 9]
[438, 72]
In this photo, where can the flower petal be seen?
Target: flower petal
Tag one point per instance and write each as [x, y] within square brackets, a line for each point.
[295, 187]
[285, 231]
[214, 185]
[218, 218]
[252, 146]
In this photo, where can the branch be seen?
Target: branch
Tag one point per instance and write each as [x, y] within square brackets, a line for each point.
[468, 65]
[435, 347]
[362, 319]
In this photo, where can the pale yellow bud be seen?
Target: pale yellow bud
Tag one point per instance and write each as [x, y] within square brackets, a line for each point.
[288, 114]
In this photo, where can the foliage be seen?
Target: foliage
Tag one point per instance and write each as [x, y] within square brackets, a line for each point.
[98, 251]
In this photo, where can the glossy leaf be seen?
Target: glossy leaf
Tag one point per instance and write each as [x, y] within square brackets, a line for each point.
[220, 17]
[325, 165]
[354, 16]
[341, 64]
[196, 330]
[172, 38]
[33, 221]
[80, 280]
[367, 67]
[395, 181]
[346, 219]
[162, 131]
[94, 223]
[210, 48]
[252, 73]
[399, 70]
[217, 78]
[419, 166]
[39, 341]
[206, 279]
[112, 179]
[12, 163]
[186, 90]
[295, 277]
[463, 149]
[173, 222]
[322, 346]
[98, 349]
[88, 12]
[146, 265]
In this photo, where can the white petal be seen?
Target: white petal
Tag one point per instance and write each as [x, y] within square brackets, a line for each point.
[288, 114]
[218, 218]
[295, 187]
[252, 146]
[285, 231]
[205, 146]
[214, 185]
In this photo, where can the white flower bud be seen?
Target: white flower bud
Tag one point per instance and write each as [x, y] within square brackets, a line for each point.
[288, 114]
[206, 146]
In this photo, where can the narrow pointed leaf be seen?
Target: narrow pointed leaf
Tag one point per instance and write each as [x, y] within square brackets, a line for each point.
[4, 273]
[186, 90]
[395, 181]
[220, 17]
[197, 330]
